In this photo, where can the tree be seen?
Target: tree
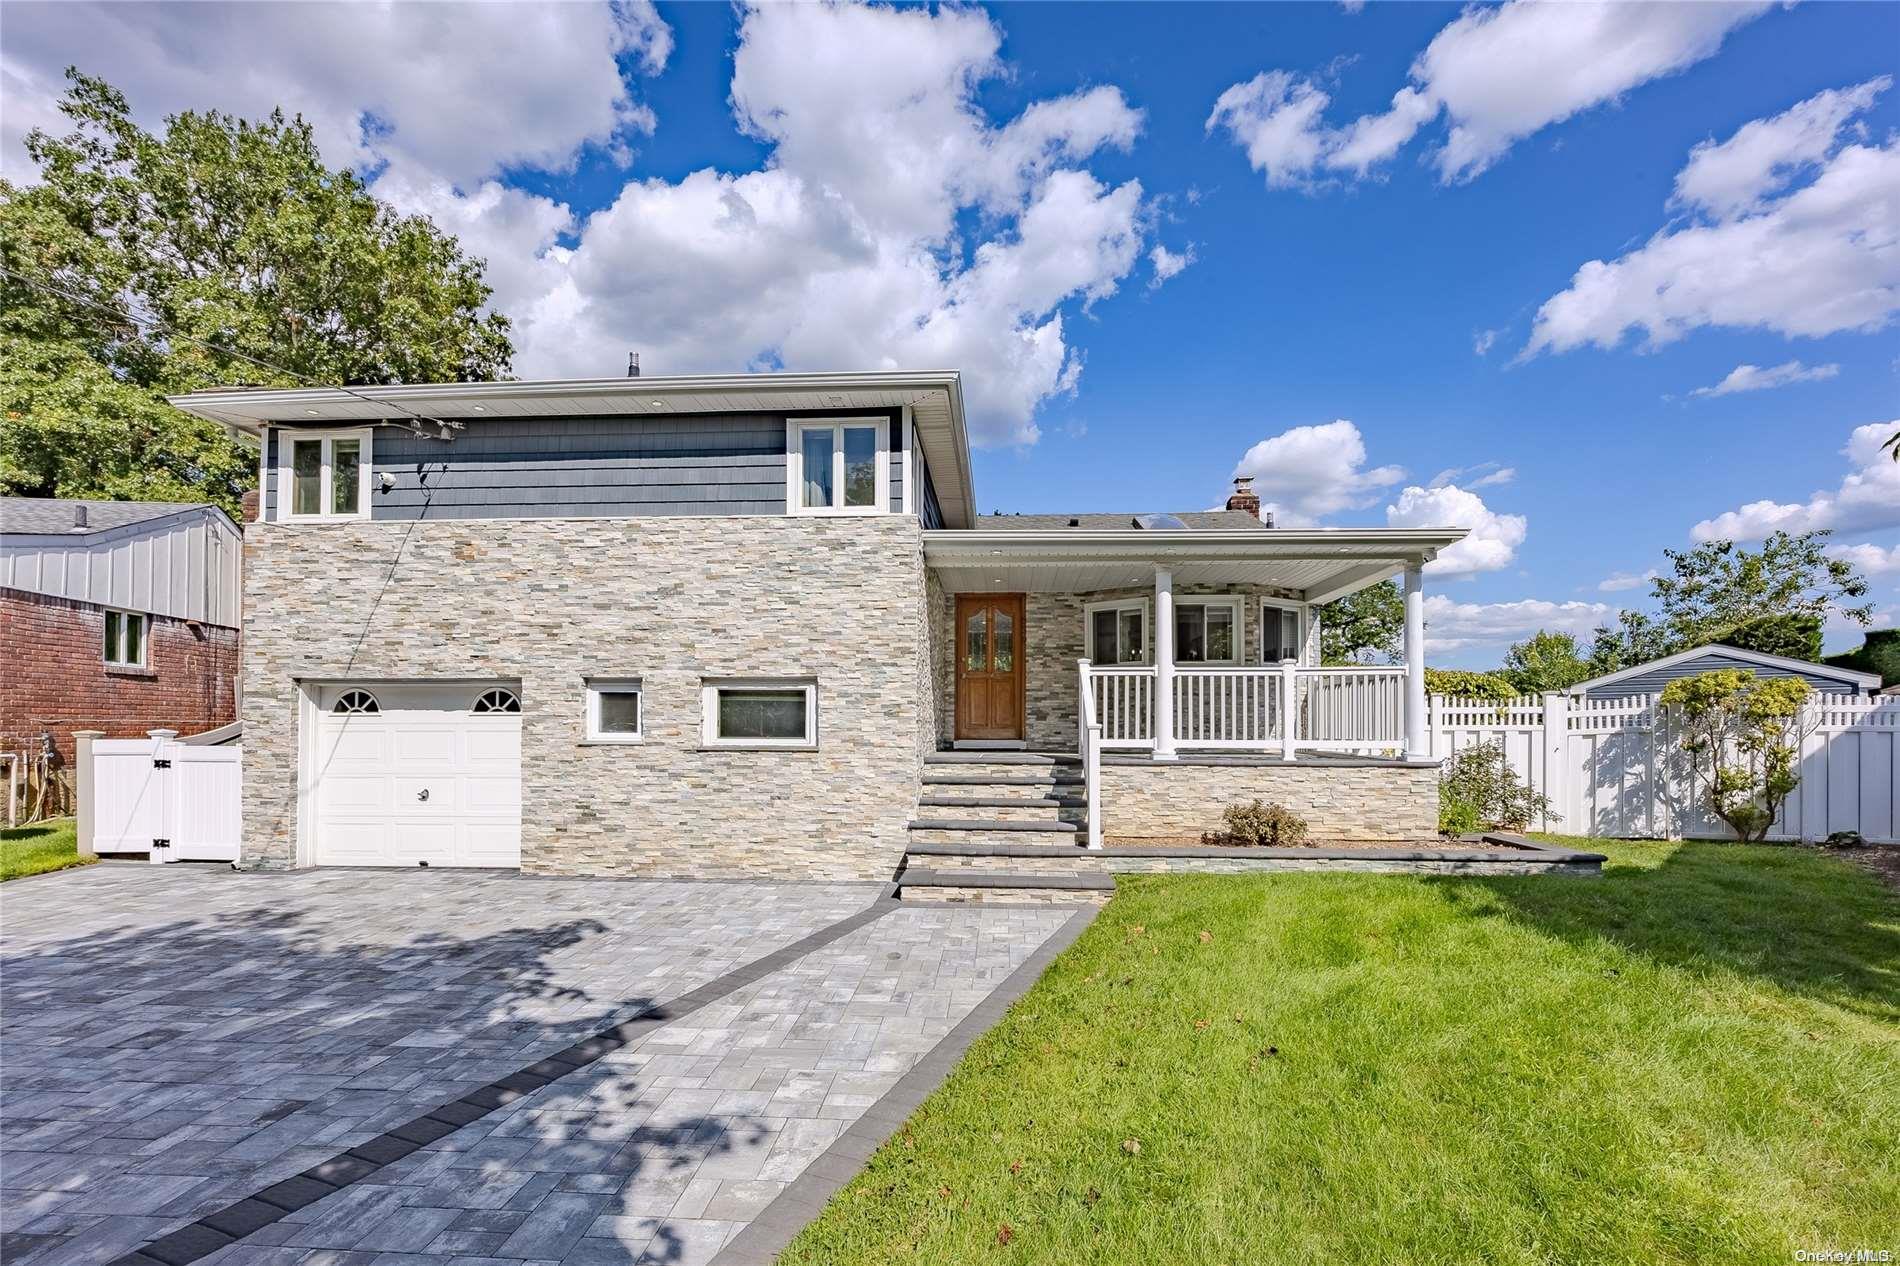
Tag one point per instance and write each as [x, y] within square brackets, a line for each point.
[1792, 636]
[1544, 662]
[1459, 683]
[1362, 627]
[1719, 585]
[1742, 734]
[228, 232]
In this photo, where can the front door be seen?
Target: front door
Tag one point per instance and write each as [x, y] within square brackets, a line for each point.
[989, 666]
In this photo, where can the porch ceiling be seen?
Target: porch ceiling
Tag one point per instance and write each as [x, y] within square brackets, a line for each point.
[1320, 565]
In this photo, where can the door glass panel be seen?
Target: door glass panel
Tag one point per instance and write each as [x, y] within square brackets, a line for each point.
[1102, 645]
[345, 484]
[762, 714]
[860, 465]
[1005, 638]
[1133, 628]
[306, 476]
[817, 449]
[1220, 633]
[1190, 641]
[976, 647]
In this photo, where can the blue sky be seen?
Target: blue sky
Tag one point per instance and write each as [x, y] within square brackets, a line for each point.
[585, 153]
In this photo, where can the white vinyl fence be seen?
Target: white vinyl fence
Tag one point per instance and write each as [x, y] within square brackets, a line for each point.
[173, 801]
[1615, 767]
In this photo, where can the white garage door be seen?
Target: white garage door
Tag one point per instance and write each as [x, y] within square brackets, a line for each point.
[411, 774]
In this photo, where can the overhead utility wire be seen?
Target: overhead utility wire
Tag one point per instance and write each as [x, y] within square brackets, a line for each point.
[152, 322]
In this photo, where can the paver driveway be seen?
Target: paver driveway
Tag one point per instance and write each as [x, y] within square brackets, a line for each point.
[176, 1039]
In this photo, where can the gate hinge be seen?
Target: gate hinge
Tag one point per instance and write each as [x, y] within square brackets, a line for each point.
[161, 843]
[161, 763]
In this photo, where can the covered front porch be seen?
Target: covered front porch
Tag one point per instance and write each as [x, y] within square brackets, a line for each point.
[1174, 647]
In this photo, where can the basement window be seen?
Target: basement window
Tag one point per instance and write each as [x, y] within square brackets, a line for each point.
[766, 713]
[125, 644]
[614, 708]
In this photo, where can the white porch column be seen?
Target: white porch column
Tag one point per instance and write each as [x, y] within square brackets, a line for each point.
[1417, 743]
[1164, 664]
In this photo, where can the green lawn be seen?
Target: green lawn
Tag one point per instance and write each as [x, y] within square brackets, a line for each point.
[36, 849]
[1694, 1058]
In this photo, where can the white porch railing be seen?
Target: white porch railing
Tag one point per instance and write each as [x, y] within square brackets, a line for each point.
[1247, 709]
[1091, 751]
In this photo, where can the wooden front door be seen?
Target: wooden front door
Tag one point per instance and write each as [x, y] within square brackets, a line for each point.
[989, 666]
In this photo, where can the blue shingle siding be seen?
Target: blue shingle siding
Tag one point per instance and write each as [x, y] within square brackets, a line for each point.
[929, 513]
[1652, 682]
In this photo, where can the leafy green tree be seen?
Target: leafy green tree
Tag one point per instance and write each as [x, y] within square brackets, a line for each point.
[1459, 683]
[1364, 627]
[1719, 585]
[1544, 662]
[228, 232]
[1793, 636]
[1879, 653]
[1742, 733]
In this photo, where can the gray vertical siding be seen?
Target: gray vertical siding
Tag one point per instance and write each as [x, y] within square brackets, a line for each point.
[610, 466]
[1652, 682]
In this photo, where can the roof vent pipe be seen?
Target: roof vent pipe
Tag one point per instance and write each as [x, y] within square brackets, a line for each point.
[79, 518]
[633, 364]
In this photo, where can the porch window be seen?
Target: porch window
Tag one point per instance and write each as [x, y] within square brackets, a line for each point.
[837, 466]
[1117, 632]
[324, 475]
[1280, 633]
[761, 713]
[1207, 632]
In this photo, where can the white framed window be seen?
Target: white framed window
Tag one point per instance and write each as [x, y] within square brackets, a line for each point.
[1207, 630]
[759, 712]
[125, 641]
[616, 710]
[1116, 632]
[498, 699]
[1282, 631]
[323, 474]
[837, 465]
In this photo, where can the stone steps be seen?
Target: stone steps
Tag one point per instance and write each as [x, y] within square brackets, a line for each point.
[995, 830]
[1004, 808]
[1005, 888]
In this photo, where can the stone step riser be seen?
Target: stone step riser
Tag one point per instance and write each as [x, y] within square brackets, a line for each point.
[1027, 812]
[938, 835]
[1006, 790]
[1004, 774]
[1001, 896]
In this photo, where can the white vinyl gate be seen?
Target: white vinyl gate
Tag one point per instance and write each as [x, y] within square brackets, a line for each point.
[175, 802]
[1615, 767]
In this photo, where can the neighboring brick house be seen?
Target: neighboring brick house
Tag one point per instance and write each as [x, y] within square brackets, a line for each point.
[746, 625]
[117, 616]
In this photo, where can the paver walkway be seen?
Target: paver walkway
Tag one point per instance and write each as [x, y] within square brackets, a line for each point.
[177, 1039]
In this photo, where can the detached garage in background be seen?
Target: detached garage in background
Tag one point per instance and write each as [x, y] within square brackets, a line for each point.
[1650, 678]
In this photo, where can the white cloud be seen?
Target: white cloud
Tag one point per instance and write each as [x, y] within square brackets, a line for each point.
[1755, 378]
[463, 90]
[1483, 341]
[1871, 560]
[1867, 500]
[1168, 264]
[1727, 178]
[1808, 261]
[1308, 472]
[1493, 539]
[849, 247]
[1498, 74]
[1483, 475]
[1619, 581]
[1451, 625]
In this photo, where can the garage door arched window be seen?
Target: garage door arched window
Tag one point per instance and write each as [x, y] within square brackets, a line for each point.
[497, 700]
[356, 702]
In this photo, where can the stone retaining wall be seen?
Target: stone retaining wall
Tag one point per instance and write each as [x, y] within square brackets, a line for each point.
[1145, 801]
[669, 600]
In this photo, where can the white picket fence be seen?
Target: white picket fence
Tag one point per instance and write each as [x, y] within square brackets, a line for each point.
[1615, 767]
[173, 801]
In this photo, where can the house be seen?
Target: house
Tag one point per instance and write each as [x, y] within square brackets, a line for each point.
[754, 625]
[115, 616]
[1650, 678]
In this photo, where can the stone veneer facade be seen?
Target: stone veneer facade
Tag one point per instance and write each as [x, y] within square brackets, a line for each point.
[1145, 801]
[669, 600]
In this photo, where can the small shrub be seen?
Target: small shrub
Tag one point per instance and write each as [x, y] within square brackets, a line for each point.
[1259, 825]
[1845, 839]
[1478, 791]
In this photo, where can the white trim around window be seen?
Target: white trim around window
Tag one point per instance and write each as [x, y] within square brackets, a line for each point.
[759, 712]
[1231, 603]
[314, 485]
[1273, 613]
[128, 639]
[1140, 635]
[835, 439]
[609, 699]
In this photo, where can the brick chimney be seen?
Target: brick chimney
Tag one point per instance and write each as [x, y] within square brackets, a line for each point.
[249, 503]
[1244, 497]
